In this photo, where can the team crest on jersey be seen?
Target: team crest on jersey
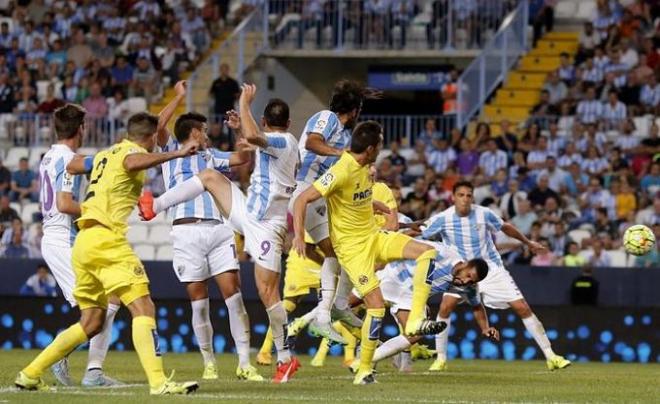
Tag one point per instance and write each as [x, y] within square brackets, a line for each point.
[320, 124]
[327, 179]
[138, 271]
[364, 279]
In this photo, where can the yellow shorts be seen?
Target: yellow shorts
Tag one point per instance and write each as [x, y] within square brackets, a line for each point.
[360, 262]
[301, 276]
[104, 264]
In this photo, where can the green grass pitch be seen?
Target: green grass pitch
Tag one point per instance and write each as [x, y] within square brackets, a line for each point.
[465, 381]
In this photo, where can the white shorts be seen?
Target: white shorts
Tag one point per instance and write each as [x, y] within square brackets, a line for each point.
[57, 254]
[202, 251]
[263, 238]
[316, 216]
[398, 296]
[499, 289]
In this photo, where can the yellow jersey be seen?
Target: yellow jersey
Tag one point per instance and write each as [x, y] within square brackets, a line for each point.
[347, 189]
[113, 192]
[382, 193]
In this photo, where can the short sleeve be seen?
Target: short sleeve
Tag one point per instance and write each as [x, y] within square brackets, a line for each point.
[433, 226]
[220, 160]
[329, 182]
[172, 145]
[324, 123]
[493, 221]
[277, 145]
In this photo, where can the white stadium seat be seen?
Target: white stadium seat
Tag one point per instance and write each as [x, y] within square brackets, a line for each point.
[137, 233]
[164, 253]
[145, 252]
[88, 151]
[566, 9]
[586, 10]
[159, 234]
[28, 210]
[137, 104]
[14, 156]
[578, 235]
[134, 217]
[35, 155]
[161, 218]
[17, 207]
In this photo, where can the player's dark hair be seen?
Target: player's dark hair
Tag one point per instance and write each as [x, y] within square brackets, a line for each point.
[348, 95]
[462, 183]
[481, 266]
[68, 119]
[366, 134]
[185, 124]
[142, 125]
[276, 113]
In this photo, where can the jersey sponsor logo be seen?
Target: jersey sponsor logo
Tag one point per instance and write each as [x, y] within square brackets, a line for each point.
[327, 179]
[362, 195]
[67, 180]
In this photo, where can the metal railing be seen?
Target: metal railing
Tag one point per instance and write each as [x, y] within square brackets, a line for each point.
[359, 24]
[238, 50]
[489, 69]
[407, 128]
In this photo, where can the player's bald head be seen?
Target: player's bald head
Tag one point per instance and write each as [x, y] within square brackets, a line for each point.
[141, 126]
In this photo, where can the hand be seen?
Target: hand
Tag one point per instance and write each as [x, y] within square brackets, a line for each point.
[189, 149]
[381, 208]
[536, 248]
[247, 94]
[298, 245]
[180, 87]
[233, 120]
[491, 333]
[243, 145]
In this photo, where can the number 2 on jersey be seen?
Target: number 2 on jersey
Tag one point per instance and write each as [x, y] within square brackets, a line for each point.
[99, 168]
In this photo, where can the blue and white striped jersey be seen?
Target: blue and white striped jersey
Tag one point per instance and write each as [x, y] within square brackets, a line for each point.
[402, 272]
[472, 236]
[181, 169]
[589, 111]
[53, 178]
[614, 114]
[650, 96]
[325, 123]
[274, 177]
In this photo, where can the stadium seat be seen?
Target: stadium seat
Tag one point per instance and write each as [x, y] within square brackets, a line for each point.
[137, 104]
[642, 125]
[137, 233]
[586, 10]
[538, 64]
[42, 89]
[160, 218]
[563, 35]
[14, 155]
[525, 81]
[35, 155]
[578, 235]
[566, 9]
[160, 234]
[45, 135]
[405, 191]
[618, 258]
[88, 151]
[28, 210]
[384, 153]
[407, 153]
[549, 47]
[164, 253]
[17, 207]
[497, 114]
[134, 217]
[145, 252]
[516, 98]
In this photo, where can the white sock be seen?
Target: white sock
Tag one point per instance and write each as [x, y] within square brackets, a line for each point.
[442, 338]
[201, 323]
[278, 322]
[180, 193]
[329, 272]
[98, 346]
[344, 288]
[239, 323]
[391, 347]
[534, 327]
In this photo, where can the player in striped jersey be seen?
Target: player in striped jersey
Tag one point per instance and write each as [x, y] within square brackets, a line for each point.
[60, 198]
[451, 275]
[327, 133]
[470, 229]
[204, 245]
[261, 216]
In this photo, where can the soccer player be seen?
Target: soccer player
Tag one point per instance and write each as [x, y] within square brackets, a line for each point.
[470, 229]
[327, 133]
[204, 245]
[261, 217]
[60, 206]
[451, 276]
[104, 262]
[359, 244]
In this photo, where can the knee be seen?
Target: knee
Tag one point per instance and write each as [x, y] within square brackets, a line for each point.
[522, 309]
[208, 175]
[267, 292]
[92, 325]
[143, 306]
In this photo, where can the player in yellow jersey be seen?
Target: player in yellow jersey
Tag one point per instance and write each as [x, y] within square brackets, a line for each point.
[358, 243]
[104, 262]
[382, 193]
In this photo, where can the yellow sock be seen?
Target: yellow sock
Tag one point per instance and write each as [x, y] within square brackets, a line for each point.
[322, 353]
[267, 345]
[421, 287]
[289, 306]
[351, 341]
[370, 336]
[145, 342]
[61, 346]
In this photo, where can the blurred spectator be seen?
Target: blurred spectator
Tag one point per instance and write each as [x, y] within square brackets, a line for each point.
[650, 183]
[225, 92]
[649, 260]
[541, 193]
[614, 111]
[398, 161]
[649, 96]
[5, 180]
[51, 102]
[590, 109]
[145, 80]
[41, 283]
[492, 160]
[34, 237]
[122, 72]
[546, 258]
[584, 289]
[387, 173]
[16, 248]
[597, 256]
[525, 217]
[439, 155]
[510, 201]
[507, 141]
[118, 107]
[24, 183]
[449, 90]
[500, 184]
[603, 224]
[415, 204]
[80, 53]
[556, 89]
[7, 213]
[103, 52]
[95, 104]
[572, 256]
[559, 240]
[589, 40]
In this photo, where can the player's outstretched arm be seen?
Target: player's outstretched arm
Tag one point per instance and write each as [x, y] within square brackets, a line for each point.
[66, 204]
[481, 317]
[316, 143]
[80, 165]
[142, 161]
[244, 150]
[512, 231]
[166, 114]
[299, 208]
[249, 127]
